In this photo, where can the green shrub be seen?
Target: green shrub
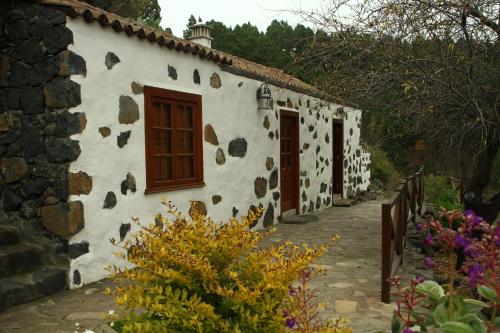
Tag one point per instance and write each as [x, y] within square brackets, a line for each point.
[383, 169]
[440, 193]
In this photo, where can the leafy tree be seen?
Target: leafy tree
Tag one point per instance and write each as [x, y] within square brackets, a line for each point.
[146, 11]
[434, 65]
[192, 20]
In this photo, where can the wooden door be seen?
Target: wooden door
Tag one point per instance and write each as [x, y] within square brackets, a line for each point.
[289, 160]
[338, 158]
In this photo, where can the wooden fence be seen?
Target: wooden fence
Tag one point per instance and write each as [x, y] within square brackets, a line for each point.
[396, 214]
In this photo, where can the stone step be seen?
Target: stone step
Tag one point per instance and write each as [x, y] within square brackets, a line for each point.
[26, 287]
[19, 258]
[8, 235]
[343, 203]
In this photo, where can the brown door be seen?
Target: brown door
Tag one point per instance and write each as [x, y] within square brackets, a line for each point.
[338, 158]
[289, 160]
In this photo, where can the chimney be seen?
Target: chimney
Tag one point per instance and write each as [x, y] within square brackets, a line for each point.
[200, 34]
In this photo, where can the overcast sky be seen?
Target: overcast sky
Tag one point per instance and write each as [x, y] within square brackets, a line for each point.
[175, 13]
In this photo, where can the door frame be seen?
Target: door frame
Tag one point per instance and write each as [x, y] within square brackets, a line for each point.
[292, 114]
[338, 122]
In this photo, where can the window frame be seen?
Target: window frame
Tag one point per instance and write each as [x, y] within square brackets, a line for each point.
[153, 186]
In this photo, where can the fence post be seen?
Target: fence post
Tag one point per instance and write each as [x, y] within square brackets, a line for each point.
[386, 253]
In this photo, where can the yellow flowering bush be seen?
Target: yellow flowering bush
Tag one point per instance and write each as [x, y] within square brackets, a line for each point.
[196, 275]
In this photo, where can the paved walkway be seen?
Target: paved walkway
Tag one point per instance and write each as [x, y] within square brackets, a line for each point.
[351, 285]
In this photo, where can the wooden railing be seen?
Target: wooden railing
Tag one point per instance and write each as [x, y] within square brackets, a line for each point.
[401, 209]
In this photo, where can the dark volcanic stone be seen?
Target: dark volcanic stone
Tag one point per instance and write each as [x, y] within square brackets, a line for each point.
[220, 158]
[323, 188]
[31, 51]
[122, 139]
[216, 199]
[128, 184]
[63, 150]
[124, 229]
[304, 196]
[110, 200]
[11, 201]
[129, 110]
[273, 179]
[235, 211]
[8, 137]
[18, 74]
[266, 122]
[215, 81]
[210, 135]
[56, 38]
[172, 72]
[269, 216]
[271, 135]
[13, 98]
[68, 123]
[196, 76]
[77, 279]
[276, 196]
[42, 72]
[35, 187]
[17, 30]
[238, 147]
[318, 203]
[62, 93]
[110, 60]
[269, 163]
[260, 187]
[327, 139]
[69, 63]
[13, 169]
[77, 249]
[32, 100]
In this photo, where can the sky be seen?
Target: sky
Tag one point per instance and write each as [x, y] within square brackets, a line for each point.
[175, 13]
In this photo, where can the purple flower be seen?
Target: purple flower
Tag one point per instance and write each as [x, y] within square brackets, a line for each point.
[291, 291]
[306, 274]
[476, 220]
[497, 235]
[474, 273]
[418, 227]
[428, 240]
[428, 262]
[461, 242]
[290, 322]
[407, 330]
[285, 313]
[469, 213]
[471, 251]
[420, 278]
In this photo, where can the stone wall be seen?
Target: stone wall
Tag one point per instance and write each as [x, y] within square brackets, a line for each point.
[36, 123]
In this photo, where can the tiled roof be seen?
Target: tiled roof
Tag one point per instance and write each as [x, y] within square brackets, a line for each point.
[229, 63]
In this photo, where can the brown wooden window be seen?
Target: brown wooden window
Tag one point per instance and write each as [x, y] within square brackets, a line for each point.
[174, 151]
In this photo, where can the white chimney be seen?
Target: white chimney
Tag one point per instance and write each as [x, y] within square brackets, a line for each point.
[200, 34]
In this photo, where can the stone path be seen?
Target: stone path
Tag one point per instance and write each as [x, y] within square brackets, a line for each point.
[350, 287]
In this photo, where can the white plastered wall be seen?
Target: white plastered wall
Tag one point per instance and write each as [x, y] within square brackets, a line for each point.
[230, 109]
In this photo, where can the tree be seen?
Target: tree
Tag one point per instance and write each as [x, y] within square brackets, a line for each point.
[145, 11]
[433, 64]
[192, 20]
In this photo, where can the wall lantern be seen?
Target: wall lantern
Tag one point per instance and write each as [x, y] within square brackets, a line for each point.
[264, 97]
